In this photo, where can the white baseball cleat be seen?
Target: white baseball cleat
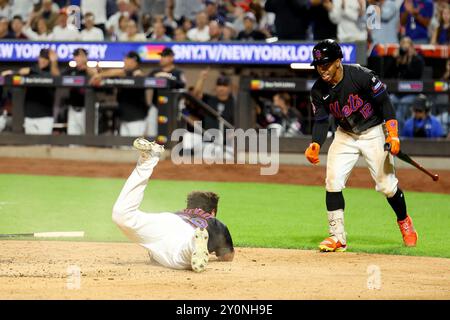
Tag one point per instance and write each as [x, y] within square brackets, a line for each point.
[148, 148]
[200, 255]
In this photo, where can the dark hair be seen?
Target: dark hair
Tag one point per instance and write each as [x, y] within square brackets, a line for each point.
[77, 51]
[17, 17]
[133, 55]
[204, 200]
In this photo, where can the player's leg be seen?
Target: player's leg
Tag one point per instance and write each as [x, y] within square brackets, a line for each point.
[382, 170]
[342, 157]
[125, 211]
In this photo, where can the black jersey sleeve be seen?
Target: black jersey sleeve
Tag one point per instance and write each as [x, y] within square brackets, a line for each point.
[377, 90]
[220, 240]
[321, 123]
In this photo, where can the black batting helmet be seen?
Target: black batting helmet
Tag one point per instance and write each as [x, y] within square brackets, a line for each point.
[421, 103]
[326, 51]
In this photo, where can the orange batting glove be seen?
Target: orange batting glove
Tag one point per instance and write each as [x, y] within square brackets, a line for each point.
[312, 153]
[392, 137]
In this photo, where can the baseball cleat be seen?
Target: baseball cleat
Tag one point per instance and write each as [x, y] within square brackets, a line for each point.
[409, 234]
[147, 147]
[331, 245]
[200, 255]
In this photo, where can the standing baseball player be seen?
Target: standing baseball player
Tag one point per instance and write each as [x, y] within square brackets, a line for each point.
[181, 240]
[359, 102]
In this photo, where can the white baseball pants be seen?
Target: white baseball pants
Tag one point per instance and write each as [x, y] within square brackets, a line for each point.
[42, 125]
[345, 151]
[76, 121]
[168, 238]
[132, 128]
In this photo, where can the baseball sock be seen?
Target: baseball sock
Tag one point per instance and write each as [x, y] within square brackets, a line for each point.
[335, 207]
[398, 204]
[335, 201]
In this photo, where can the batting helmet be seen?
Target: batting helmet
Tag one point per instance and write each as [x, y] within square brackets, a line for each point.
[326, 51]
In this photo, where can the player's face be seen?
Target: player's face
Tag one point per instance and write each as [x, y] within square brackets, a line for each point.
[328, 71]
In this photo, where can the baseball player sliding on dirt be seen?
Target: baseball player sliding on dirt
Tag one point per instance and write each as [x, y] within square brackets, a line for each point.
[181, 240]
[359, 102]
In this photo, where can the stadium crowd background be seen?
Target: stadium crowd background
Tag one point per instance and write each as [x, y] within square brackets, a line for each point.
[404, 22]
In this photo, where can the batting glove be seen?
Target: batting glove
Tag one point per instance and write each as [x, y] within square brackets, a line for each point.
[312, 153]
[392, 137]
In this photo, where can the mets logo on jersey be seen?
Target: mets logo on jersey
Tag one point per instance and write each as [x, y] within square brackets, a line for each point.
[354, 104]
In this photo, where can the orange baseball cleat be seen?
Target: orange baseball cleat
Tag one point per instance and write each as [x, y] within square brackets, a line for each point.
[332, 245]
[409, 234]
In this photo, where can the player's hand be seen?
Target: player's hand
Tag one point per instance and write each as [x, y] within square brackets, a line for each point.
[392, 137]
[53, 57]
[312, 153]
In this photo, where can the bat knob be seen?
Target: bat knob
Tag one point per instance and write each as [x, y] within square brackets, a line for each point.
[435, 177]
[387, 146]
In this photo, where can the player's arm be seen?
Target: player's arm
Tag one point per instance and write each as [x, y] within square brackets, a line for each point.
[320, 127]
[381, 97]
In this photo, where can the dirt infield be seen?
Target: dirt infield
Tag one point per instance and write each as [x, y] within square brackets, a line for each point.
[124, 271]
[38, 269]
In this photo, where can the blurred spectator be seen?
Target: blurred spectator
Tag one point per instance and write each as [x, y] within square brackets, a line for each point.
[438, 6]
[446, 75]
[187, 25]
[76, 116]
[39, 100]
[238, 16]
[350, 19]
[112, 25]
[64, 31]
[46, 12]
[215, 31]
[17, 29]
[22, 8]
[159, 33]
[177, 80]
[132, 105]
[249, 33]
[322, 27]
[5, 9]
[388, 16]
[223, 101]
[180, 35]
[132, 33]
[184, 8]
[441, 35]
[408, 65]
[291, 18]
[90, 31]
[134, 10]
[4, 28]
[228, 32]
[121, 32]
[201, 30]
[422, 124]
[415, 17]
[282, 117]
[211, 11]
[154, 7]
[98, 7]
[42, 32]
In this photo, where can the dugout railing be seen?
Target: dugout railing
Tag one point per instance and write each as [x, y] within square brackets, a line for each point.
[168, 110]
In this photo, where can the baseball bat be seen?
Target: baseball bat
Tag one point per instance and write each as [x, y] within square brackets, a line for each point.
[407, 159]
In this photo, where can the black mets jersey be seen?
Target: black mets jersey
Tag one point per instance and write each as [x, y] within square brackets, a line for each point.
[354, 101]
[219, 240]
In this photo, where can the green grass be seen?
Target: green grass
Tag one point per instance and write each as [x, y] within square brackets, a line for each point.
[258, 215]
